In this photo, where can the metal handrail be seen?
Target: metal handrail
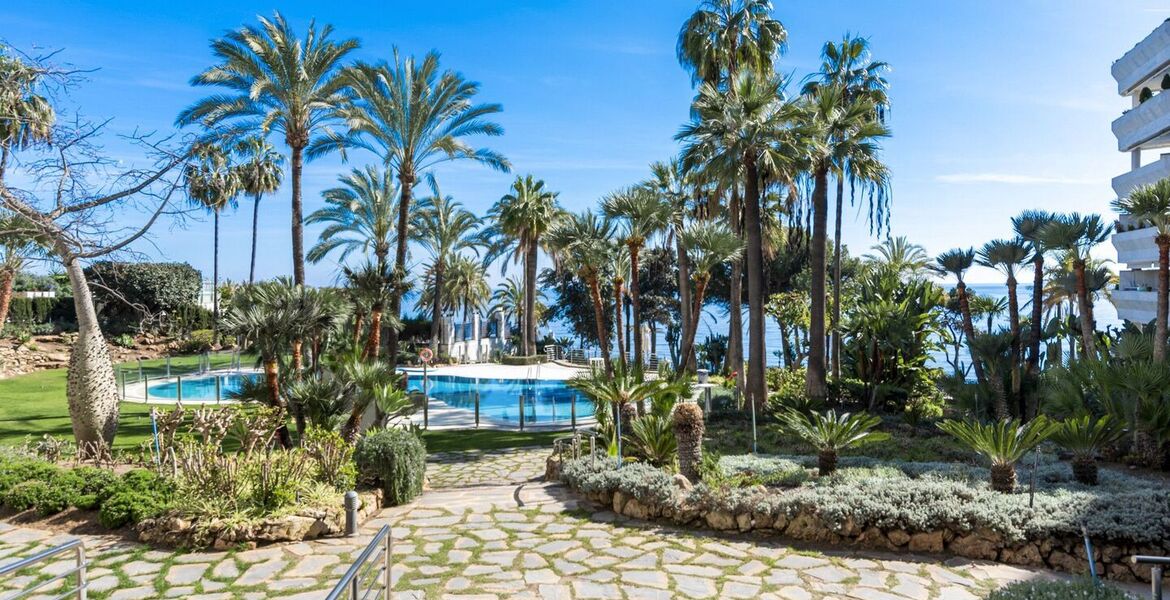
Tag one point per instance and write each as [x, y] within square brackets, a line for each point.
[1157, 563]
[350, 584]
[82, 583]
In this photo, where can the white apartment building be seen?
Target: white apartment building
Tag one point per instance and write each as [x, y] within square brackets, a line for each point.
[1143, 75]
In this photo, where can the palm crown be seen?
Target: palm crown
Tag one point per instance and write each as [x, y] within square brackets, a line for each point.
[358, 216]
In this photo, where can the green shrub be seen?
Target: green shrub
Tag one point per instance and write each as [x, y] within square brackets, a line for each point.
[131, 506]
[397, 458]
[124, 340]
[1057, 590]
[200, 340]
[94, 487]
[333, 456]
[19, 470]
[27, 494]
[157, 287]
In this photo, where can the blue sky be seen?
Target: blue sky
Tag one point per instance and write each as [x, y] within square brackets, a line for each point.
[997, 106]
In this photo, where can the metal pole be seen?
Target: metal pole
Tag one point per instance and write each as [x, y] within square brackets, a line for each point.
[140, 376]
[179, 389]
[755, 447]
[168, 366]
[146, 389]
[521, 413]
[218, 382]
[1156, 582]
[122, 372]
[82, 594]
[354, 590]
[389, 542]
[476, 392]
[426, 397]
[573, 411]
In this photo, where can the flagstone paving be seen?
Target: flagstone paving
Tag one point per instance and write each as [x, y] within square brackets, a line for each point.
[531, 540]
[485, 467]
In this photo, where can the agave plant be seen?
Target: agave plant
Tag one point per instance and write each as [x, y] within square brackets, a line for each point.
[1004, 442]
[1084, 437]
[831, 433]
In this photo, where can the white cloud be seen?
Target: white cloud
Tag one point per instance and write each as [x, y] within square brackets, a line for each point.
[1017, 179]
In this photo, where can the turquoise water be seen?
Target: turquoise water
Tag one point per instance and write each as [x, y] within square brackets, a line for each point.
[544, 402]
[200, 388]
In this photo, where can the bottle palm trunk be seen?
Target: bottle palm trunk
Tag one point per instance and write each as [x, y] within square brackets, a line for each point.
[272, 378]
[91, 387]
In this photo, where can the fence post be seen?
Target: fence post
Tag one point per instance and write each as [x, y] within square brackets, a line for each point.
[217, 390]
[145, 389]
[168, 366]
[122, 372]
[521, 413]
[82, 582]
[476, 392]
[140, 376]
[426, 410]
[179, 389]
[573, 411]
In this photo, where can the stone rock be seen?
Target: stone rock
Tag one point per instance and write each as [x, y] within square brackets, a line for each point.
[763, 520]
[979, 544]
[635, 509]
[681, 482]
[721, 520]
[619, 502]
[898, 537]
[927, 542]
[1027, 555]
[743, 521]
[552, 468]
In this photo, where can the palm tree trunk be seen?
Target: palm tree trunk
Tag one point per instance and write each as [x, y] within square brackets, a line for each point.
[1088, 338]
[757, 387]
[91, 388]
[7, 281]
[735, 298]
[298, 224]
[1016, 350]
[359, 319]
[255, 221]
[786, 346]
[215, 281]
[1037, 314]
[687, 361]
[272, 378]
[618, 331]
[437, 308]
[969, 331]
[405, 199]
[298, 348]
[835, 352]
[599, 317]
[697, 309]
[1163, 297]
[374, 341]
[530, 259]
[815, 374]
[636, 301]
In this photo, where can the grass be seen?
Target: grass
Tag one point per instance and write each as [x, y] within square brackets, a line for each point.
[33, 405]
[450, 440]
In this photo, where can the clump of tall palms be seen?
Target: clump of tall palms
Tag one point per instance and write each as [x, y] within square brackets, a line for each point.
[580, 243]
[444, 229]
[212, 183]
[709, 244]
[1076, 235]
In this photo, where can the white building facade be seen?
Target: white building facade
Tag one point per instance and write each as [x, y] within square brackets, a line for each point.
[1143, 75]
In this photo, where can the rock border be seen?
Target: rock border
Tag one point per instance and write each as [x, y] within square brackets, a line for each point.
[220, 534]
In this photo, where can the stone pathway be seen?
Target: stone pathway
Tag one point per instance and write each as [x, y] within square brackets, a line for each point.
[486, 467]
[526, 541]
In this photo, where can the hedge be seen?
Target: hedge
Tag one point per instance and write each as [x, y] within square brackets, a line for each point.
[398, 459]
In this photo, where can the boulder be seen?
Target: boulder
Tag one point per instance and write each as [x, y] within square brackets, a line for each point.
[721, 520]
[979, 544]
[929, 541]
[898, 537]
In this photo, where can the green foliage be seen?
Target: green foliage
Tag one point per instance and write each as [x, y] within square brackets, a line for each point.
[27, 494]
[198, 341]
[131, 506]
[926, 402]
[524, 360]
[652, 438]
[333, 455]
[830, 432]
[1003, 442]
[788, 392]
[396, 458]
[123, 340]
[17, 470]
[1058, 590]
[153, 287]
[1085, 436]
[94, 487]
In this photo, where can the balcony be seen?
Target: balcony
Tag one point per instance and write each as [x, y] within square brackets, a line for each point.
[1151, 173]
[1145, 61]
[1136, 306]
[1146, 125]
[1136, 249]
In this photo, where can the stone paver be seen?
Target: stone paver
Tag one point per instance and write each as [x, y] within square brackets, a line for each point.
[485, 467]
[526, 540]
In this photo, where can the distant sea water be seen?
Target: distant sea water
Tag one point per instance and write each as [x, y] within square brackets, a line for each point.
[715, 322]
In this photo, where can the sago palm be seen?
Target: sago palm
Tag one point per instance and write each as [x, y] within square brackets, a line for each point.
[618, 388]
[521, 220]
[643, 214]
[710, 244]
[259, 172]
[580, 243]
[1085, 436]
[212, 183]
[1151, 204]
[444, 229]
[1003, 442]
[415, 116]
[276, 82]
[830, 433]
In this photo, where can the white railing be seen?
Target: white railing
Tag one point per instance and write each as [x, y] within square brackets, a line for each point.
[368, 578]
[78, 591]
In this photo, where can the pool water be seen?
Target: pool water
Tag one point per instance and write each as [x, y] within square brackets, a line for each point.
[544, 401]
[201, 389]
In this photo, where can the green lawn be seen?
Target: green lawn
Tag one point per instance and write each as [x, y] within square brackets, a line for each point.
[448, 440]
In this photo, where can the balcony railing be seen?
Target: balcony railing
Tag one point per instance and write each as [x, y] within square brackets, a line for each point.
[1151, 173]
[1144, 125]
[1145, 61]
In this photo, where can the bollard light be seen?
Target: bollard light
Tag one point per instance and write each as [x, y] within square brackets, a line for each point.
[350, 503]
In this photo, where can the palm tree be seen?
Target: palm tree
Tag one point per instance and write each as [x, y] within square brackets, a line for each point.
[831, 433]
[415, 117]
[520, 220]
[1077, 234]
[1084, 436]
[1151, 204]
[373, 284]
[276, 81]
[847, 65]
[724, 36]
[749, 128]
[1028, 226]
[17, 245]
[466, 286]
[643, 214]
[846, 131]
[358, 216]
[1003, 442]
[508, 300]
[581, 244]
[670, 181]
[903, 258]
[259, 173]
[444, 228]
[710, 244]
[620, 388]
[618, 267]
[1007, 256]
[956, 262]
[212, 183]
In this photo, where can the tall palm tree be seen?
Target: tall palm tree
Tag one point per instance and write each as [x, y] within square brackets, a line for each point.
[276, 81]
[414, 116]
[723, 37]
[466, 287]
[848, 66]
[520, 221]
[1007, 256]
[444, 229]
[956, 262]
[844, 132]
[26, 117]
[711, 244]
[212, 183]
[618, 267]
[372, 284]
[901, 256]
[1151, 204]
[580, 243]
[643, 215]
[259, 173]
[1077, 234]
[671, 182]
[1028, 226]
[749, 128]
[508, 300]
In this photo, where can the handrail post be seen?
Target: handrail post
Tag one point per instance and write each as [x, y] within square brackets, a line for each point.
[82, 584]
[217, 390]
[1156, 582]
[389, 541]
[476, 392]
[354, 590]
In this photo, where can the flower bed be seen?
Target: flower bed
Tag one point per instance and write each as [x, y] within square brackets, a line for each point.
[919, 507]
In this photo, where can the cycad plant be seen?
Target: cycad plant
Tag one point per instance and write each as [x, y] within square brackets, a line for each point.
[1003, 442]
[652, 436]
[613, 391]
[1085, 437]
[830, 433]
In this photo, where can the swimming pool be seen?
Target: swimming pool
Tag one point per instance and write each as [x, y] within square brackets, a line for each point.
[544, 401]
[201, 388]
